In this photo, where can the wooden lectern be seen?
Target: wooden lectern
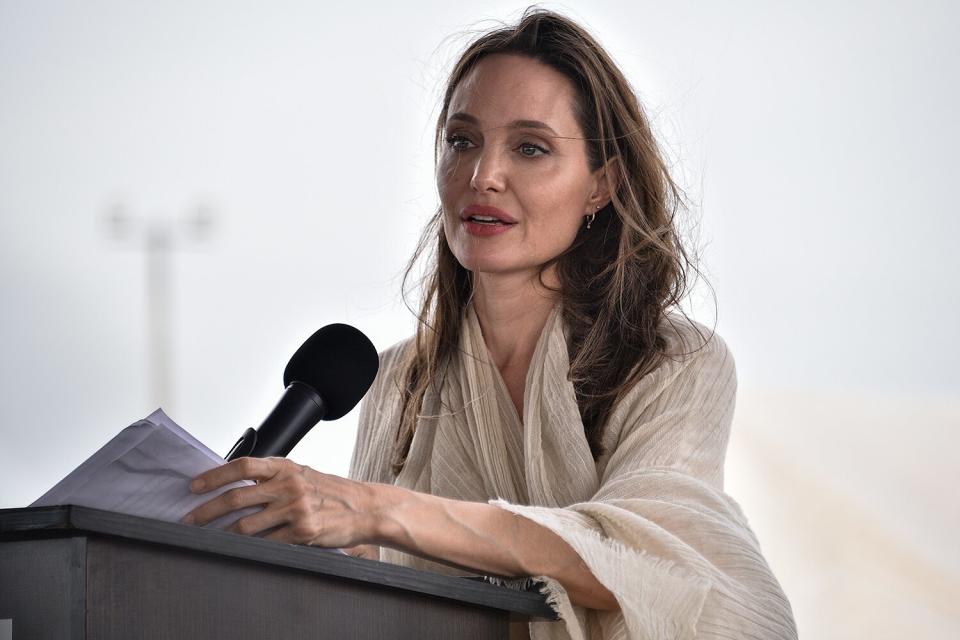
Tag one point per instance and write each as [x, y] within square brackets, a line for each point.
[72, 572]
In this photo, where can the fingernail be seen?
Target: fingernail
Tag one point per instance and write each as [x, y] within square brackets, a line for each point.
[187, 519]
[197, 485]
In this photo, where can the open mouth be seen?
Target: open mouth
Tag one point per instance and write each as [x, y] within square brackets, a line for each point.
[488, 220]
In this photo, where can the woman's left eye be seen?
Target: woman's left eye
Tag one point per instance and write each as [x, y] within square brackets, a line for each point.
[531, 150]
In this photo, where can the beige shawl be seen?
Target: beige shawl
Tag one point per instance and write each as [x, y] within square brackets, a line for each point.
[649, 518]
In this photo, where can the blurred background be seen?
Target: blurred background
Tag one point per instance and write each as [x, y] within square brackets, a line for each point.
[266, 169]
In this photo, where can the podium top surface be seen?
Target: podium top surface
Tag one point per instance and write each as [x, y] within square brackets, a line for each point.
[69, 520]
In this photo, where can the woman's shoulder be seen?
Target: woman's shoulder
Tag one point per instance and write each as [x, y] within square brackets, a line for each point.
[678, 414]
[691, 343]
[392, 361]
[695, 361]
[379, 412]
[393, 356]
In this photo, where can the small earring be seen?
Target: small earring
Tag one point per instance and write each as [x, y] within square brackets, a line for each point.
[592, 216]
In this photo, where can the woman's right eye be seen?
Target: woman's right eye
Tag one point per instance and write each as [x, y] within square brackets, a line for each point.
[458, 142]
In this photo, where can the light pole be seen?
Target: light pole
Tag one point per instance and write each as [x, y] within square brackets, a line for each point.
[158, 239]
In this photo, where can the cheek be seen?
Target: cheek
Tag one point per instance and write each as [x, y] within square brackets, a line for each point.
[563, 232]
[448, 175]
[559, 210]
[449, 232]
[448, 192]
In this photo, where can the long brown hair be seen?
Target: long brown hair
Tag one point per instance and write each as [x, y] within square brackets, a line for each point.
[617, 280]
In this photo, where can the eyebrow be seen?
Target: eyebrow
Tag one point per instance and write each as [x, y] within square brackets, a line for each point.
[516, 124]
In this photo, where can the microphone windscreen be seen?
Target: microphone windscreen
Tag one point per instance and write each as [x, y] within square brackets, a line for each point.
[339, 362]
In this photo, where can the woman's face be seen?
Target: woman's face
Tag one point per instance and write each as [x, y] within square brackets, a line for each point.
[513, 174]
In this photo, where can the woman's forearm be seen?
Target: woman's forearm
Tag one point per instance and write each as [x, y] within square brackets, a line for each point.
[483, 538]
[303, 506]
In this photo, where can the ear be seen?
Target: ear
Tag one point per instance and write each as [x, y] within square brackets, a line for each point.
[605, 182]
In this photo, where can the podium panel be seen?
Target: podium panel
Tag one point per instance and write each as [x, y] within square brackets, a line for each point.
[70, 572]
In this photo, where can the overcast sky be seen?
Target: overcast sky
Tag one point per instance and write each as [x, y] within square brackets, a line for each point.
[819, 143]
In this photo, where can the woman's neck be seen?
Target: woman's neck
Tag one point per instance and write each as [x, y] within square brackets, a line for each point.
[512, 310]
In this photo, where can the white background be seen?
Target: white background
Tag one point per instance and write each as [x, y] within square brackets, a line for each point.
[817, 140]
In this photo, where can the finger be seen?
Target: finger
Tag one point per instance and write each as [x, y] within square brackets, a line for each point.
[263, 520]
[366, 551]
[239, 469]
[227, 502]
[283, 534]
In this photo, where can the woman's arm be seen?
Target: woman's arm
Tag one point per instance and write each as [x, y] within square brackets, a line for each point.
[310, 507]
[485, 538]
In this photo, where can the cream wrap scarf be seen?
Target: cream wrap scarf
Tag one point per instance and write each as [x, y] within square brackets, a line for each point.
[649, 518]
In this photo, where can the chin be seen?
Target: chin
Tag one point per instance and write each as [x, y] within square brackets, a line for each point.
[495, 265]
[482, 265]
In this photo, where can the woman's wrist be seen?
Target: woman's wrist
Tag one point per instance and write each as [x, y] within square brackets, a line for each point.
[385, 504]
[473, 536]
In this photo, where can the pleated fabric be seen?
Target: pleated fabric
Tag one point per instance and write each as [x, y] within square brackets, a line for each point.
[649, 518]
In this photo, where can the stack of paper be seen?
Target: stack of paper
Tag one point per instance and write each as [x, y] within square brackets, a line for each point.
[144, 471]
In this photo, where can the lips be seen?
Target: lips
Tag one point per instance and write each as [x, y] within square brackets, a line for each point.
[485, 214]
[482, 220]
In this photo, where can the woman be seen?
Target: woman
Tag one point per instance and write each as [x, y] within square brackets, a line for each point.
[551, 417]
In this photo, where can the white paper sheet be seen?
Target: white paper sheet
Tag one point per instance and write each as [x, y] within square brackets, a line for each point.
[145, 470]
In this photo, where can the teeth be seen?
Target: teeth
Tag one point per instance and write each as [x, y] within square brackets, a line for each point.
[484, 218]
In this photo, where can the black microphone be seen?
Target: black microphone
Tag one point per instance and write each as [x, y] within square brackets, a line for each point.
[324, 380]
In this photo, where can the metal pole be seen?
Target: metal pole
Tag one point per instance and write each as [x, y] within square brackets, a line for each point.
[159, 313]
[158, 239]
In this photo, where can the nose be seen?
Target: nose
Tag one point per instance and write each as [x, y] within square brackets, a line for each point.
[488, 172]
